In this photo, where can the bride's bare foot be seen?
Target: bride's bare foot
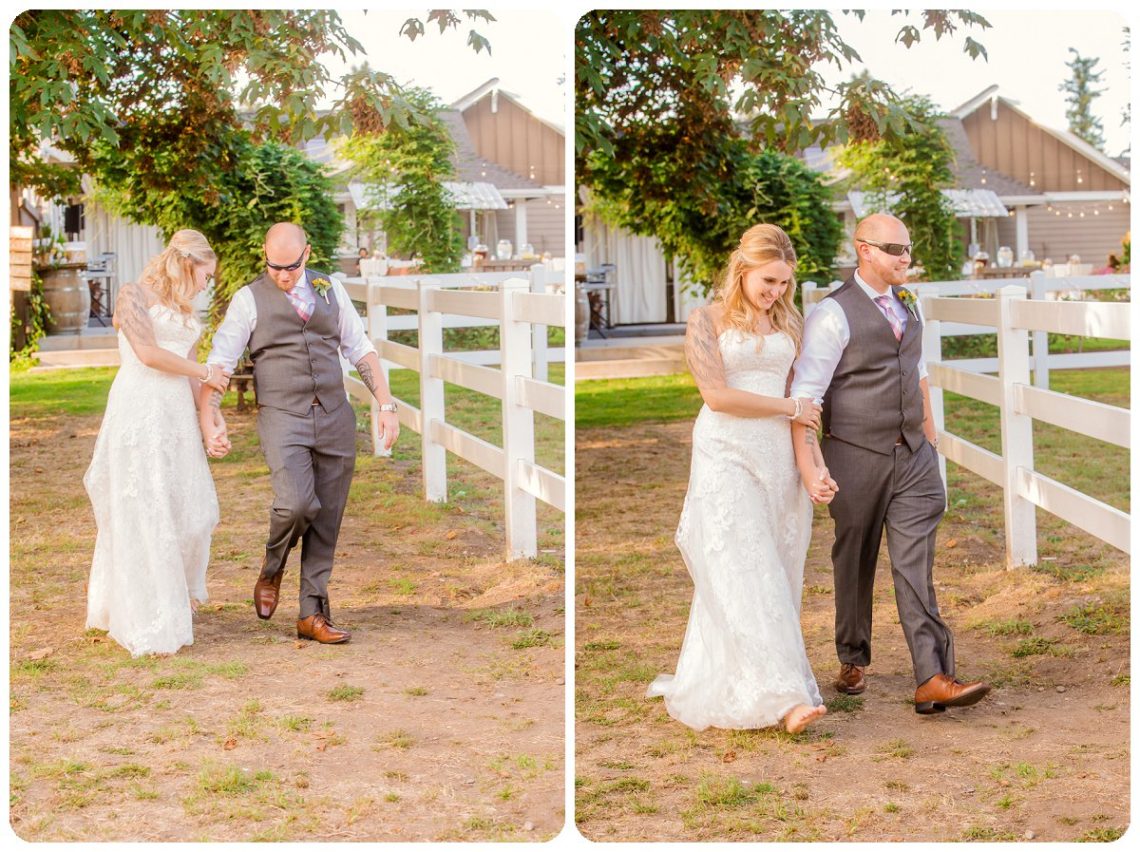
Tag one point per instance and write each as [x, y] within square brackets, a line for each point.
[802, 715]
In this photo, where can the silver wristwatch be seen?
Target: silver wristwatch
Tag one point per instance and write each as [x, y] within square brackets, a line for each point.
[388, 406]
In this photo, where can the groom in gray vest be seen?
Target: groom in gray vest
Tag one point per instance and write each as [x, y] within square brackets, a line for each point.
[862, 356]
[297, 323]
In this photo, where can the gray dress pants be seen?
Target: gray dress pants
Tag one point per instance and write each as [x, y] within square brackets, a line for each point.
[311, 458]
[903, 493]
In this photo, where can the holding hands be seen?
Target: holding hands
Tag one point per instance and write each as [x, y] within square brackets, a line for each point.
[822, 488]
[217, 444]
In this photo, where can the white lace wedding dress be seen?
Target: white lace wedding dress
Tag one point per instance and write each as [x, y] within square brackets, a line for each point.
[154, 500]
[743, 533]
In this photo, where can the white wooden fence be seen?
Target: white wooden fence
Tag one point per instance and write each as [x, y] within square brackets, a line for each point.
[1039, 287]
[522, 310]
[1013, 318]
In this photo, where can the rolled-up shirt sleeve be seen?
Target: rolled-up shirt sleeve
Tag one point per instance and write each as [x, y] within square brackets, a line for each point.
[232, 336]
[826, 334]
[354, 342]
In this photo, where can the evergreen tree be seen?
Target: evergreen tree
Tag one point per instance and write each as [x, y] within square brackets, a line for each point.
[1080, 94]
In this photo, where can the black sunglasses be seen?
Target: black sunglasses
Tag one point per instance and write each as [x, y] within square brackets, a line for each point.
[290, 267]
[893, 249]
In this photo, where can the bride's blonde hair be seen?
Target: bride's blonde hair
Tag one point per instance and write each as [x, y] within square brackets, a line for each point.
[760, 245]
[170, 274]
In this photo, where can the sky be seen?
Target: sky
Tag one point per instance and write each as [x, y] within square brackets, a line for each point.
[1027, 55]
[528, 55]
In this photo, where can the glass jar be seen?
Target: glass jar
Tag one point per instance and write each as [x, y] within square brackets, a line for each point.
[504, 250]
[1005, 257]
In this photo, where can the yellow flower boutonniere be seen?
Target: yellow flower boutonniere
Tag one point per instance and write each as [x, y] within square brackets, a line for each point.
[322, 285]
[909, 300]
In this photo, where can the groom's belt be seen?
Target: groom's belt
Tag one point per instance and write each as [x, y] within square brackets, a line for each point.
[899, 441]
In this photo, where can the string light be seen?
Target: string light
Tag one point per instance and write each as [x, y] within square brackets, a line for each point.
[1032, 179]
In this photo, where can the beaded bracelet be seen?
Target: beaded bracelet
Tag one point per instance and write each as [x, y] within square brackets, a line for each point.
[209, 375]
[799, 408]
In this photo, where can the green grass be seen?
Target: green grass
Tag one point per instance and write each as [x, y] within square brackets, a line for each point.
[509, 617]
[531, 639]
[344, 692]
[60, 392]
[1068, 573]
[844, 704]
[623, 402]
[1039, 645]
[1101, 835]
[1005, 627]
[895, 748]
[1097, 618]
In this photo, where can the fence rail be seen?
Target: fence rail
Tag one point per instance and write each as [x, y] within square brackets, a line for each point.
[522, 310]
[1012, 317]
[1045, 293]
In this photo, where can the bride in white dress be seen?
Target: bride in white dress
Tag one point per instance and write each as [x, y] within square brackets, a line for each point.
[149, 482]
[746, 521]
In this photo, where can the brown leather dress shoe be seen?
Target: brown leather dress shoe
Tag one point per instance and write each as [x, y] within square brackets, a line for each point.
[265, 594]
[943, 691]
[317, 627]
[851, 680]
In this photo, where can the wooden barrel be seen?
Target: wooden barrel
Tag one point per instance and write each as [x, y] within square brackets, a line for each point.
[68, 298]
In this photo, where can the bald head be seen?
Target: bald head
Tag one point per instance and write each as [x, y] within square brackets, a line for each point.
[285, 236]
[286, 250]
[879, 226]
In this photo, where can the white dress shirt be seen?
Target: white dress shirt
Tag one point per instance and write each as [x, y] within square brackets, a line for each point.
[826, 335]
[232, 336]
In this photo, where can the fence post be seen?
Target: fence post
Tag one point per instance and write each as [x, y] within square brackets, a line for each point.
[1040, 338]
[518, 430]
[932, 354]
[541, 357]
[430, 340]
[1016, 433]
[376, 315]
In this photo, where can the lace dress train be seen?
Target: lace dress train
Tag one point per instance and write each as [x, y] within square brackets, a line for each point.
[744, 532]
[154, 501]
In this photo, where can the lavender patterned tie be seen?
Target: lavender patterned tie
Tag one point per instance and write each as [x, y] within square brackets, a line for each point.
[884, 303]
[299, 304]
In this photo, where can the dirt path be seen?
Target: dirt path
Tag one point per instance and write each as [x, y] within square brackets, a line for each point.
[442, 719]
[1045, 757]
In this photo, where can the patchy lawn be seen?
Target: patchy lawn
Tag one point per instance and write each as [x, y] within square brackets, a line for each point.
[442, 719]
[1045, 756]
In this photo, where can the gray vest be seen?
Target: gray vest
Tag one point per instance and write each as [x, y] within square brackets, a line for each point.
[295, 363]
[874, 397]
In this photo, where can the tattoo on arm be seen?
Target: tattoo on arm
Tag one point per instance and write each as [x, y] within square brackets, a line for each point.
[215, 400]
[809, 437]
[366, 376]
[134, 316]
[702, 351]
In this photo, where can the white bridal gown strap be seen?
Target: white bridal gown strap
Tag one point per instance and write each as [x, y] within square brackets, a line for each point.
[744, 533]
[154, 501]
